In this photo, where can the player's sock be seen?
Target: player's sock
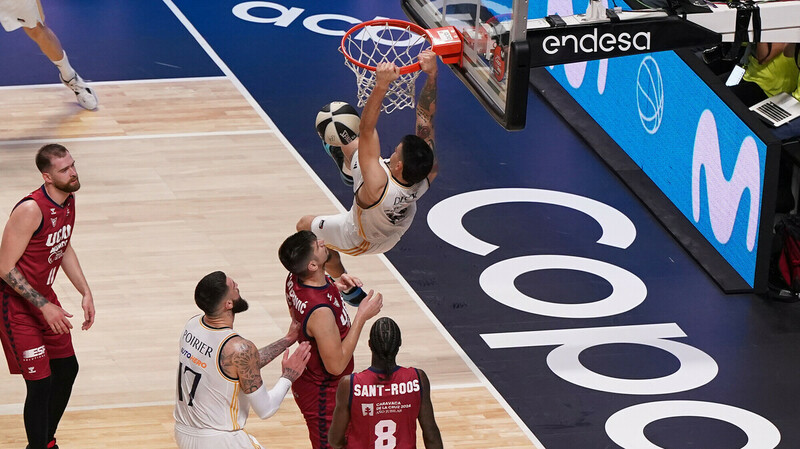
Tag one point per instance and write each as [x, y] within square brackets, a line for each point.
[35, 413]
[66, 70]
[354, 296]
[63, 376]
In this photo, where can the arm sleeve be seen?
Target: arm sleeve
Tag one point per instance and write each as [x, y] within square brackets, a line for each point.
[265, 403]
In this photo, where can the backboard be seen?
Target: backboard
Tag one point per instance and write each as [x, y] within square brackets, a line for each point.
[495, 60]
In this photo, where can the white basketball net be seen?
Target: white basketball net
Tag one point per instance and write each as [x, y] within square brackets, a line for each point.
[385, 43]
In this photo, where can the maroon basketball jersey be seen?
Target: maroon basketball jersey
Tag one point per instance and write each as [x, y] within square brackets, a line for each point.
[42, 258]
[383, 413]
[304, 299]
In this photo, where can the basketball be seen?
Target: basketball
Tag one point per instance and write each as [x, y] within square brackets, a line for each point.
[337, 123]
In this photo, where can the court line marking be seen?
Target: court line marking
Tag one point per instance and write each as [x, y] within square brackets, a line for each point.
[138, 136]
[16, 409]
[252, 101]
[108, 83]
[228, 72]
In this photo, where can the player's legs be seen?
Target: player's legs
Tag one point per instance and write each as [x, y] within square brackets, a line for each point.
[334, 266]
[47, 41]
[190, 438]
[50, 45]
[341, 236]
[35, 412]
[316, 402]
[348, 151]
[62, 373]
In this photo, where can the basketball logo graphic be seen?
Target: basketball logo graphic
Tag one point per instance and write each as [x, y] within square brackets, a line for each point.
[650, 95]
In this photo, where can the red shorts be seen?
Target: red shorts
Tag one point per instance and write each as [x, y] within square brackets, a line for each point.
[316, 401]
[28, 341]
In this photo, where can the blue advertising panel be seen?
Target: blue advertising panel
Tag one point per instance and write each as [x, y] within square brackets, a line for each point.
[690, 144]
[687, 141]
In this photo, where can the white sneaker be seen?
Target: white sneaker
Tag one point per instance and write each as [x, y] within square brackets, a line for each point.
[85, 95]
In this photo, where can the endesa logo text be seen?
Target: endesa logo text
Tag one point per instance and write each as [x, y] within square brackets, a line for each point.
[595, 42]
[624, 427]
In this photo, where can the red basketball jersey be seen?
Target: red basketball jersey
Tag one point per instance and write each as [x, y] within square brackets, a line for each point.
[42, 258]
[383, 413]
[304, 299]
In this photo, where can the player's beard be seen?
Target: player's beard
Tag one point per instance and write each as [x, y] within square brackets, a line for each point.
[68, 187]
[240, 305]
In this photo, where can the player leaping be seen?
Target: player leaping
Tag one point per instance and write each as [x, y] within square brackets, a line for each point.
[385, 190]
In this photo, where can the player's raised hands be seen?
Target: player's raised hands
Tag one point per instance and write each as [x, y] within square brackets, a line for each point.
[386, 72]
[371, 305]
[427, 62]
[347, 282]
[293, 365]
[294, 331]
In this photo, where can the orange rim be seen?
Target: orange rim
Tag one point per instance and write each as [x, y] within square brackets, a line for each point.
[386, 22]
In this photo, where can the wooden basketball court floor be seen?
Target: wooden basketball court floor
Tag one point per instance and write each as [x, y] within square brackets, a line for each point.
[181, 178]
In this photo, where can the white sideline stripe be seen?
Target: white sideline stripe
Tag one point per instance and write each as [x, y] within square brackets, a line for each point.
[484, 381]
[16, 409]
[137, 137]
[109, 83]
[252, 101]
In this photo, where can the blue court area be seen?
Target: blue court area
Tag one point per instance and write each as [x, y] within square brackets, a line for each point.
[593, 342]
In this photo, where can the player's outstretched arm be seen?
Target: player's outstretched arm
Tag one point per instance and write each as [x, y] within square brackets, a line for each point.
[341, 415]
[73, 270]
[335, 351]
[21, 225]
[274, 349]
[240, 359]
[369, 149]
[266, 403]
[426, 105]
[430, 431]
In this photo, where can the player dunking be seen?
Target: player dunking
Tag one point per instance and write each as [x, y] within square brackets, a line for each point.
[380, 406]
[385, 190]
[314, 300]
[34, 329]
[219, 376]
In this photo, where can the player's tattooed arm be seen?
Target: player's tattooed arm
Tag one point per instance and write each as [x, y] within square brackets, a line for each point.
[269, 352]
[244, 359]
[17, 281]
[291, 374]
[426, 103]
[426, 107]
[239, 359]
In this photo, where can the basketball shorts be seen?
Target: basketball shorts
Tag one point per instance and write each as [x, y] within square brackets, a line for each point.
[20, 13]
[193, 438]
[28, 341]
[341, 233]
[316, 402]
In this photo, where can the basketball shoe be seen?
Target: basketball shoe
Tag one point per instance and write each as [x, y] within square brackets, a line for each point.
[338, 158]
[51, 445]
[85, 95]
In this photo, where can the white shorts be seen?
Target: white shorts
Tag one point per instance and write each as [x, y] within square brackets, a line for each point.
[20, 13]
[192, 438]
[340, 232]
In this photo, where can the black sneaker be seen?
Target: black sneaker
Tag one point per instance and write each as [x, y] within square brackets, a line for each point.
[354, 296]
[51, 445]
[338, 157]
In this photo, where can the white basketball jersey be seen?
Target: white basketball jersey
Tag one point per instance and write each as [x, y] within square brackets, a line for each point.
[393, 213]
[207, 398]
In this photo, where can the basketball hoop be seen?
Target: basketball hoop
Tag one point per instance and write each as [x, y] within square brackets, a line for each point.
[389, 40]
